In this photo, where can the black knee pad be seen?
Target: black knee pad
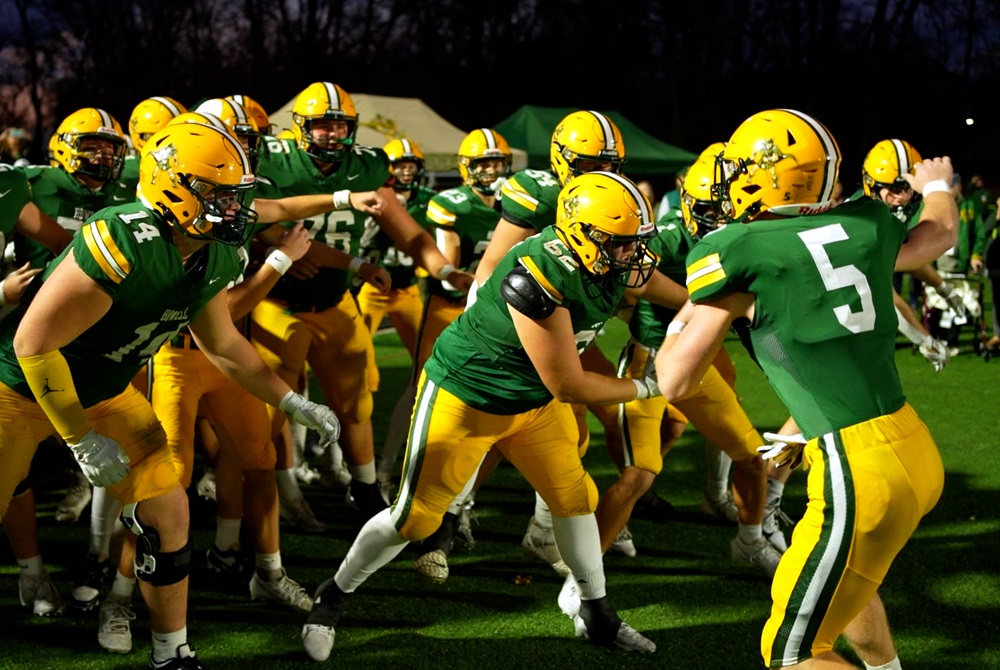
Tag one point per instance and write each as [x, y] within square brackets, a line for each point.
[159, 568]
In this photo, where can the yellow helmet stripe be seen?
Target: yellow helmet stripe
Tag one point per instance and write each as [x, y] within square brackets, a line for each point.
[902, 156]
[645, 212]
[829, 146]
[704, 272]
[609, 134]
[536, 272]
[104, 250]
[332, 96]
[169, 104]
[491, 140]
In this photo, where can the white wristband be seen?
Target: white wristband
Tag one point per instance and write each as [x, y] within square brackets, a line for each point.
[445, 271]
[356, 263]
[675, 327]
[641, 392]
[936, 186]
[279, 260]
[342, 199]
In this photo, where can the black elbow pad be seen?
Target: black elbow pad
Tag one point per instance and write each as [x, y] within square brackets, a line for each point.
[524, 294]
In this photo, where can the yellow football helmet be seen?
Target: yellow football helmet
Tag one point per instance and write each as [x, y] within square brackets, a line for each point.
[198, 178]
[255, 110]
[400, 150]
[697, 209]
[885, 166]
[324, 101]
[780, 161]
[83, 124]
[151, 115]
[483, 144]
[587, 136]
[607, 223]
[239, 122]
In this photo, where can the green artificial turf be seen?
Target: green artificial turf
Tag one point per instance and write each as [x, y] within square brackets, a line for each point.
[498, 609]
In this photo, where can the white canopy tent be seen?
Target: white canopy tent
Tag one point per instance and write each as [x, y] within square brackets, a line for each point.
[383, 118]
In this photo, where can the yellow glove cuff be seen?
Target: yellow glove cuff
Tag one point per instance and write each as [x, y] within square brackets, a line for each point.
[51, 381]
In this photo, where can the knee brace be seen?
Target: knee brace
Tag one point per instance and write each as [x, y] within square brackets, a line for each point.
[159, 568]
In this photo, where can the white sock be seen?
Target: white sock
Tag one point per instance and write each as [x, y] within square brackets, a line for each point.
[31, 567]
[104, 511]
[717, 464]
[267, 564]
[376, 544]
[169, 645]
[227, 533]
[579, 544]
[363, 473]
[395, 436]
[891, 665]
[543, 516]
[122, 587]
[775, 488]
[288, 486]
[749, 534]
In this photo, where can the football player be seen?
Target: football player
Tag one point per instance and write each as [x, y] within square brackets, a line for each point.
[127, 283]
[810, 291]
[316, 320]
[150, 116]
[882, 179]
[712, 408]
[19, 215]
[504, 374]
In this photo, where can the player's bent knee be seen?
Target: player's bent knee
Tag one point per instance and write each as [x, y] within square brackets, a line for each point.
[576, 501]
[153, 566]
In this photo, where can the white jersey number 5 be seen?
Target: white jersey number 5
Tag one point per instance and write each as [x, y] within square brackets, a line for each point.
[842, 277]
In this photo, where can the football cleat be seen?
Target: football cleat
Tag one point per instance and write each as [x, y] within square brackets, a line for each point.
[774, 518]
[599, 623]
[540, 543]
[760, 553]
[282, 589]
[114, 632]
[722, 510]
[39, 594]
[205, 487]
[569, 597]
[93, 576]
[299, 512]
[317, 640]
[433, 565]
[232, 563]
[623, 543]
[366, 498]
[465, 520]
[77, 498]
[183, 660]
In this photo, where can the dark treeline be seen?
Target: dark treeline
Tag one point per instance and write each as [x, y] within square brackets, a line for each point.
[688, 72]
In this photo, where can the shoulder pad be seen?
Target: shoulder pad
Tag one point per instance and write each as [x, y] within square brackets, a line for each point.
[523, 293]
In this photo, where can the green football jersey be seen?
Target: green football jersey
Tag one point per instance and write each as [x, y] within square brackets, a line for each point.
[479, 356]
[15, 193]
[649, 322]
[529, 199]
[129, 252]
[286, 170]
[824, 326]
[378, 247]
[461, 211]
[60, 195]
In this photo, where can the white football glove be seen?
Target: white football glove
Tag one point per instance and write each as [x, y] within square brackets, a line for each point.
[783, 449]
[954, 299]
[936, 352]
[311, 415]
[647, 386]
[101, 458]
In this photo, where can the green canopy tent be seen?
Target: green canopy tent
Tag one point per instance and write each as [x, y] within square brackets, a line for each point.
[530, 128]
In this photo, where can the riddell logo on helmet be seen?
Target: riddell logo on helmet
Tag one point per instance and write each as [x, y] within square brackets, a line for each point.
[815, 209]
